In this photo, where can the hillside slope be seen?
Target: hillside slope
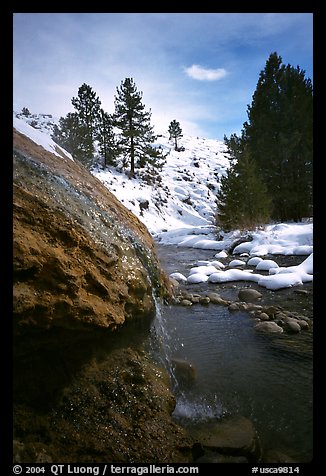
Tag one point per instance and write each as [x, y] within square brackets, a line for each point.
[190, 179]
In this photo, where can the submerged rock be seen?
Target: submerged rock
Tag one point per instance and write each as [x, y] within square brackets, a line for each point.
[184, 372]
[232, 436]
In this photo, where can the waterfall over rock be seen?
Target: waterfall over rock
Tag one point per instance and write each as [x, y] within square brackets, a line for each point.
[84, 266]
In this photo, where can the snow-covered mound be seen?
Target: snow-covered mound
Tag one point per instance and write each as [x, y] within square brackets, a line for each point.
[278, 278]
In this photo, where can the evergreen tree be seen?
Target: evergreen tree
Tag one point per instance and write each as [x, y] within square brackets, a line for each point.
[136, 134]
[279, 137]
[242, 199]
[106, 139]
[69, 135]
[175, 132]
[87, 105]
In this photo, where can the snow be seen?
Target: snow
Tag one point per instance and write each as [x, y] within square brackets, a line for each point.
[178, 277]
[254, 261]
[39, 137]
[266, 265]
[278, 278]
[236, 262]
[206, 270]
[181, 211]
[185, 202]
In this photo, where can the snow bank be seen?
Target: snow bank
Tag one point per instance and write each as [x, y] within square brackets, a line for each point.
[282, 239]
[40, 138]
[278, 278]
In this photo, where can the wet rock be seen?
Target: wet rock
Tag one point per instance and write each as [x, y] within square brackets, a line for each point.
[81, 259]
[84, 266]
[269, 326]
[303, 324]
[243, 306]
[232, 436]
[186, 302]
[234, 306]
[263, 316]
[117, 407]
[291, 325]
[195, 300]
[254, 308]
[302, 291]
[184, 371]
[204, 300]
[249, 295]
[215, 298]
[272, 311]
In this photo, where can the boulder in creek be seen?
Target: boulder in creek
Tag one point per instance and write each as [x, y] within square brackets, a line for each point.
[81, 259]
[249, 295]
[292, 326]
[214, 298]
[263, 316]
[85, 273]
[184, 371]
[269, 326]
[232, 436]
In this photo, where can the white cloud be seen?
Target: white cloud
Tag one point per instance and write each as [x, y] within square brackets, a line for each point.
[205, 74]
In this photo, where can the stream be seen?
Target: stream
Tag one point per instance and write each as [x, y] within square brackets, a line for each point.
[239, 371]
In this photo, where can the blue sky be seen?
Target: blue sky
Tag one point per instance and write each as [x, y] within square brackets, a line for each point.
[198, 68]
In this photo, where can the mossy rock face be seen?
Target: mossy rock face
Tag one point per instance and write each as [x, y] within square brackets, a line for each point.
[81, 259]
[84, 266]
[117, 408]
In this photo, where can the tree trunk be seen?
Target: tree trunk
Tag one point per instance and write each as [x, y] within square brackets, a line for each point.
[132, 157]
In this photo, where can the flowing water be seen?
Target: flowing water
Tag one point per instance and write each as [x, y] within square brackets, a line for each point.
[238, 370]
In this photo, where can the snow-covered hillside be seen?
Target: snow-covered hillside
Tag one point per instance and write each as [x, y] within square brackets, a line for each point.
[39, 129]
[187, 195]
[190, 179]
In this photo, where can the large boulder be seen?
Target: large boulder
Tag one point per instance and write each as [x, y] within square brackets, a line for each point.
[84, 266]
[81, 259]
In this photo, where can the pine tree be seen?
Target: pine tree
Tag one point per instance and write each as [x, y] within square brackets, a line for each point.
[87, 106]
[136, 134]
[296, 143]
[242, 200]
[69, 135]
[279, 137]
[106, 139]
[175, 132]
